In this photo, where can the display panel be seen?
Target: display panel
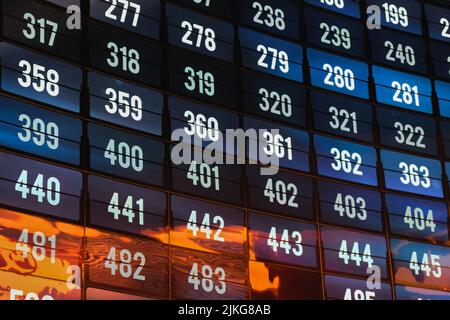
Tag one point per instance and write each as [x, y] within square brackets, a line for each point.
[338, 74]
[131, 265]
[276, 282]
[332, 187]
[199, 33]
[126, 155]
[399, 50]
[42, 132]
[346, 160]
[346, 7]
[274, 99]
[414, 293]
[418, 218]
[412, 174]
[216, 7]
[289, 146]
[200, 78]
[139, 16]
[217, 182]
[201, 125]
[125, 104]
[283, 193]
[40, 187]
[441, 59]
[403, 90]
[407, 131]
[282, 241]
[42, 27]
[40, 78]
[124, 55]
[421, 264]
[349, 206]
[340, 288]
[403, 15]
[438, 19]
[37, 248]
[126, 208]
[208, 276]
[339, 116]
[353, 253]
[280, 17]
[25, 287]
[334, 32]
[207, 227]
[445, 129]
[443, 94]
[271, 55]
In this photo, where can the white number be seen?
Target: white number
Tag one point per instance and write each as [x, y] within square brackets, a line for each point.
[200, 30]
[129, 61]
[273, 17]
[338, 3]
[343, 161]
[125, 267]
[341, 36]
[125, 155]
[38, 77]
[405, 54]
[283, 101]
[446, 29]
[409, 95]
[285, 242]
[284, 194]
[127, 210]
[39, 132]
[207, 2]
[125, 4]
[355, 254]
[341, 78]
[40, 244]
[203, 80]
[203, 127]
[207, 283]
[426, 265]
[50, 192]
[124, 104]
[205, 227]
[351, 207]
[358, 295]
[205, 174]
[337, 124]
[44, 26]
[417, 176]
[279, 59]
[415, 218]
[396, 15]
[276, 145]
[15, 294]
[411, 131]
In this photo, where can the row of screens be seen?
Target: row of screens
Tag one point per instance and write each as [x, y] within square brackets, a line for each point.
[59, 192]
[141, 158]
[281, 17]
[56, 83]
[216, 38]
[33, 249]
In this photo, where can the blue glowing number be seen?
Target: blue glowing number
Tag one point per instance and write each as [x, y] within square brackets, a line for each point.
[338, 77]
